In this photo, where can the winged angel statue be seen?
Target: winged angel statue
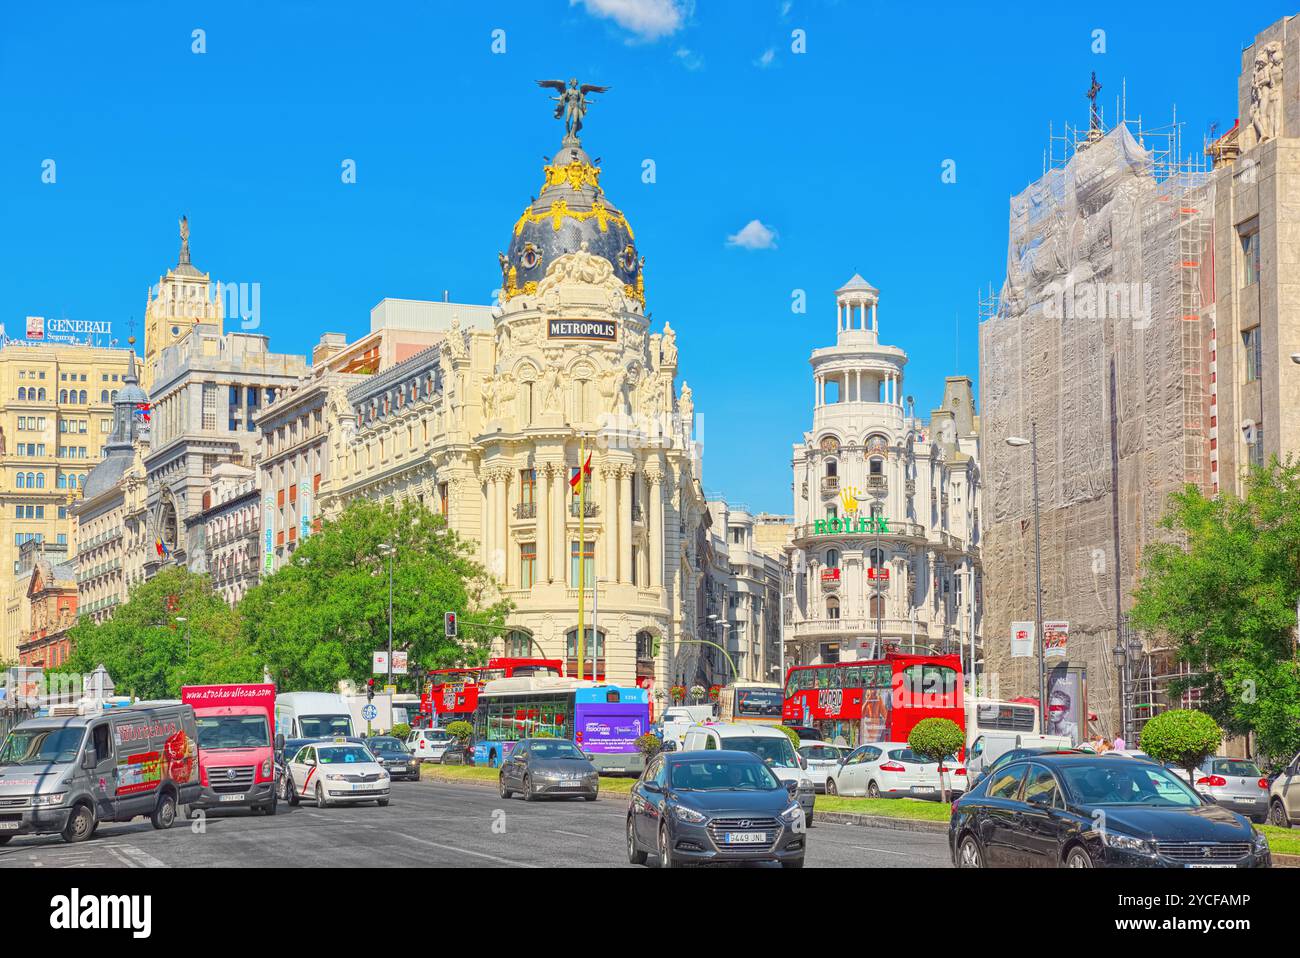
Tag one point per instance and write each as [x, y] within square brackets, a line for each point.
[571, 102]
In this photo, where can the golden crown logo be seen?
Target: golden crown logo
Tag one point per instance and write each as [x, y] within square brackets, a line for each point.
[849, 499]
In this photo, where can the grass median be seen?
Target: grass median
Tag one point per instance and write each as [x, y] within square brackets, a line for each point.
[913, 808]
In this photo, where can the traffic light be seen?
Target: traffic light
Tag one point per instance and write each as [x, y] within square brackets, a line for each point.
[449, 624]
[370, 690]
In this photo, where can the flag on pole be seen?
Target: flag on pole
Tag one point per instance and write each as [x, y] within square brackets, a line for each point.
[580, 477]
[142, 411]
[162, 548]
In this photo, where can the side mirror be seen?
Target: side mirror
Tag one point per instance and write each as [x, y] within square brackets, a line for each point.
[279, 742]
[589, 756]
[90, 759]
[792, 789]
[803, 762]
[670, 745]
[652, 787]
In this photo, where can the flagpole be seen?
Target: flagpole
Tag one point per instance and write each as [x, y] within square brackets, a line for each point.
[582, 550]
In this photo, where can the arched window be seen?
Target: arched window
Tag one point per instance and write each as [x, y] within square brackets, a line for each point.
[103, 395]
[40, 480]
[22, 392]
[877, 466]
[61, 481]
[571, 645]
[112, 397]
[832, 558]
[645, 645]
[40, 394]
[876, 607]
[21, 482]
[81, 400]
[832, 467]
[832, 608]
[519, 644]
[876, 558]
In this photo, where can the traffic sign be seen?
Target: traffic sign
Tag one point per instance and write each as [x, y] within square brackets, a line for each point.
[390, 689]
[369, 712]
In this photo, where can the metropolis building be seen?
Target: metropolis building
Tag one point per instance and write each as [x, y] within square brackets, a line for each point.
[885, 551]
[489, 427]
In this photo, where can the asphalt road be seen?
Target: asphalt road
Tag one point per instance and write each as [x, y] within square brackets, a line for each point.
[429, 824]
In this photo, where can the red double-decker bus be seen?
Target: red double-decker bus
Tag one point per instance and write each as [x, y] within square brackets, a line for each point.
[875, 700]
[452, 694]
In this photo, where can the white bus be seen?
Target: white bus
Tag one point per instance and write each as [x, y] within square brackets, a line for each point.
[753, 702]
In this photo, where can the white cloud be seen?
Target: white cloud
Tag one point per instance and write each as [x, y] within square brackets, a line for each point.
[689, 59]
[765, 60]
[648, 19]
[754, 235]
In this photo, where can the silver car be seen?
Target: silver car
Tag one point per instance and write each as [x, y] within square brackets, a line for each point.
[1235, 783]
[1284, 796]
[550, 768]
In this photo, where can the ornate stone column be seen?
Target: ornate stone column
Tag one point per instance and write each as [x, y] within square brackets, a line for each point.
[543, 500]
[559, 516]
[503, 529]
[625, 523]
[489, 514]
[610, 546]
[655, 528]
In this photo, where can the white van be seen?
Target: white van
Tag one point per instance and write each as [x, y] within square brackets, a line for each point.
[989, 747]
[678, 718]
[312, 715]
[768, 742]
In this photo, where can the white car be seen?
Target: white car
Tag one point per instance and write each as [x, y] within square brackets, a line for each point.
[820, 759]
[893, 770]
[428, 744]
[336, 773]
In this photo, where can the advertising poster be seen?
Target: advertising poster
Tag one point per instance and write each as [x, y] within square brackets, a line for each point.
[876, 706]
[141, 772]
[612, 727]
[1056, 636]
[1066, 703]
[380, 663]
[400, 660]
[1022, 640]
[35, 327]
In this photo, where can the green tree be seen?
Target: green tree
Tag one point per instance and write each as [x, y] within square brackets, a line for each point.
[791, 734]
[460, 730]
[649, 745]
[319, 618]
[1183, 737]
[936, 739]
[151, 653]
[1224, 594]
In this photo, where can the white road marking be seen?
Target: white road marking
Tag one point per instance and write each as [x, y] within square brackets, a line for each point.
[559, 831]
[466, 851]
[137, 858]
[883, 851]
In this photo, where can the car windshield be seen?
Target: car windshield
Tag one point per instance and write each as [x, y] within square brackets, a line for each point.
[557, 749]
[1235, 767]
[821, 753]
[715, 775]
[776, 750]
[385, 745]
[233, 731]
[343, 755]
[1129, 783]
[41, 746]
[324, 726]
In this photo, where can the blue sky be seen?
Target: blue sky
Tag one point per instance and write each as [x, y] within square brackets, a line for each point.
[838, 150]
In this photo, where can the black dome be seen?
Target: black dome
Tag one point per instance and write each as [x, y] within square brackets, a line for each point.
[572, 210]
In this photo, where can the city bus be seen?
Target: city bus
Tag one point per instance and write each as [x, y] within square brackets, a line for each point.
[604, 720]
[452, 694]
[874, 700]
[758, 702]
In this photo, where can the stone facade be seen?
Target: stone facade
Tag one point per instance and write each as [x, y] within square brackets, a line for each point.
[230, 524]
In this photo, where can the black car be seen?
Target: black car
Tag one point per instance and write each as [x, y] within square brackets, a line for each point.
[1085, 811]
[714, 806]
[396, 758]
[1006, 758]
[548, 768]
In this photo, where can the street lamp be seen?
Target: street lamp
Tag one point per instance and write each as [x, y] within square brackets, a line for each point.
[186, 621]
[1124, 654]
[1032, 443]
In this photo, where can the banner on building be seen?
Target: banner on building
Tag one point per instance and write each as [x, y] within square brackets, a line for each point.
[304, 510]
[1056, 636]
[399, 663]
[1022, 640]
[35, 327]
[268, 534]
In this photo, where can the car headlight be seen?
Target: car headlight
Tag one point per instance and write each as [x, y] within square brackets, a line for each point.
[1128, 843]
[1260, 841]
[688, 814]
[334, 776]
[55, 799]
[267, 767]
[792, 814]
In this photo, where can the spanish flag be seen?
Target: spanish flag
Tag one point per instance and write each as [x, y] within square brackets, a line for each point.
[581, 476]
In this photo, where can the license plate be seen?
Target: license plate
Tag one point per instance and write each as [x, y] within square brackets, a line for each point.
[570, 785]
[363, 787]
[232, 798]
[1210, 865]
[9, 826]
[925, 788]
[744, 838]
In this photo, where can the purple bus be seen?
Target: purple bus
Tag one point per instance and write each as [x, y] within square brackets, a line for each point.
[603, 720]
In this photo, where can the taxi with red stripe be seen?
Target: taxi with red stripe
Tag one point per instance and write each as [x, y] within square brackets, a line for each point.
[336, 772]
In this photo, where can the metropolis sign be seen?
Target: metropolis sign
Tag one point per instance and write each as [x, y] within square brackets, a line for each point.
[601, 329]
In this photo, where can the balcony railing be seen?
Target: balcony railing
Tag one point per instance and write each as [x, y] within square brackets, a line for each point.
[526, 510]
[830, 485]
[877, 482]
[590, 509]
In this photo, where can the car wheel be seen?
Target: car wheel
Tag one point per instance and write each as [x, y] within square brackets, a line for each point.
[81, 824]
[830, 787]
[282, 787]
[501, 786]
[290, 791]
[666, 858]
[270, 808]
[634, 855]
[1277, 815]
[1078, 857]
[529, 794]
[873, 790]
[969, 854]
[382, 803]
[320, 795]
[164, 813]
[590, 798]
[793, 862]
